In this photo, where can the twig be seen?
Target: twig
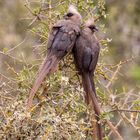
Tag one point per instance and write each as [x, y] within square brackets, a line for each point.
[98, 18]
[116, 126]
[112, 127]
[126, 110]
[132, 124]
[16, 46]
[1, 96]
[7, 78]
[63, 109]
[114, 75]
[14, 58]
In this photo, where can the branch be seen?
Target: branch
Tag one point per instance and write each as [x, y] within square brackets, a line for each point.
[112, 127]
[126, 110]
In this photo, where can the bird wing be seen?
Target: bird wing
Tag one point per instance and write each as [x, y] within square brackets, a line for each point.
[87, 58]
[60, 42]
[94, 57]
[53, 33]
[62, 38]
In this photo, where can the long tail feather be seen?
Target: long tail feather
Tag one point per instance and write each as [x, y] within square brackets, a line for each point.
[92, 84]
[87, 98]
[48, 66]
[91, 94]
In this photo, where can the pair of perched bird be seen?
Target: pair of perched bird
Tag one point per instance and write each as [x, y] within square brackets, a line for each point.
[67, 36]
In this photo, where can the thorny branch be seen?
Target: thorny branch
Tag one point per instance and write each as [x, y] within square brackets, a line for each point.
[13, 113]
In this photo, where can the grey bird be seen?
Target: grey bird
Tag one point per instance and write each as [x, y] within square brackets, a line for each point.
[61, 41]
[86, 52]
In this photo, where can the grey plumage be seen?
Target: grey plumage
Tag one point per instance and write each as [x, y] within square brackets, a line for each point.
[61, 41]
[86, 52]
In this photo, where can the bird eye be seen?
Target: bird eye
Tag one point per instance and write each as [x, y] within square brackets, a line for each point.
[69, 14]
[92, 27]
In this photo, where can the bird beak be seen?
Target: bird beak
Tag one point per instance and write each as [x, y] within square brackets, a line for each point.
[65, 16]
[96, 29]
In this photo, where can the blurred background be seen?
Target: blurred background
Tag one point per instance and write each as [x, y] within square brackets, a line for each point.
[122, 27]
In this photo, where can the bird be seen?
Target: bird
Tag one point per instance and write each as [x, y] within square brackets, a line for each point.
[86, 52]
[60, 42]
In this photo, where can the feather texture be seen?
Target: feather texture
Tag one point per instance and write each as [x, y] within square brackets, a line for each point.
[61, 41]
[86, 52]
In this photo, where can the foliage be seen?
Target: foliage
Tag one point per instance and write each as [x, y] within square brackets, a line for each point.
[59, 110]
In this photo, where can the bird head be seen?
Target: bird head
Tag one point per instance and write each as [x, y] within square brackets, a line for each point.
[91, 25]
[73, 14]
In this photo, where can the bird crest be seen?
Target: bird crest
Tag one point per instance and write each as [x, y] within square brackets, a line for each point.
[73, 9]
[90, 22]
